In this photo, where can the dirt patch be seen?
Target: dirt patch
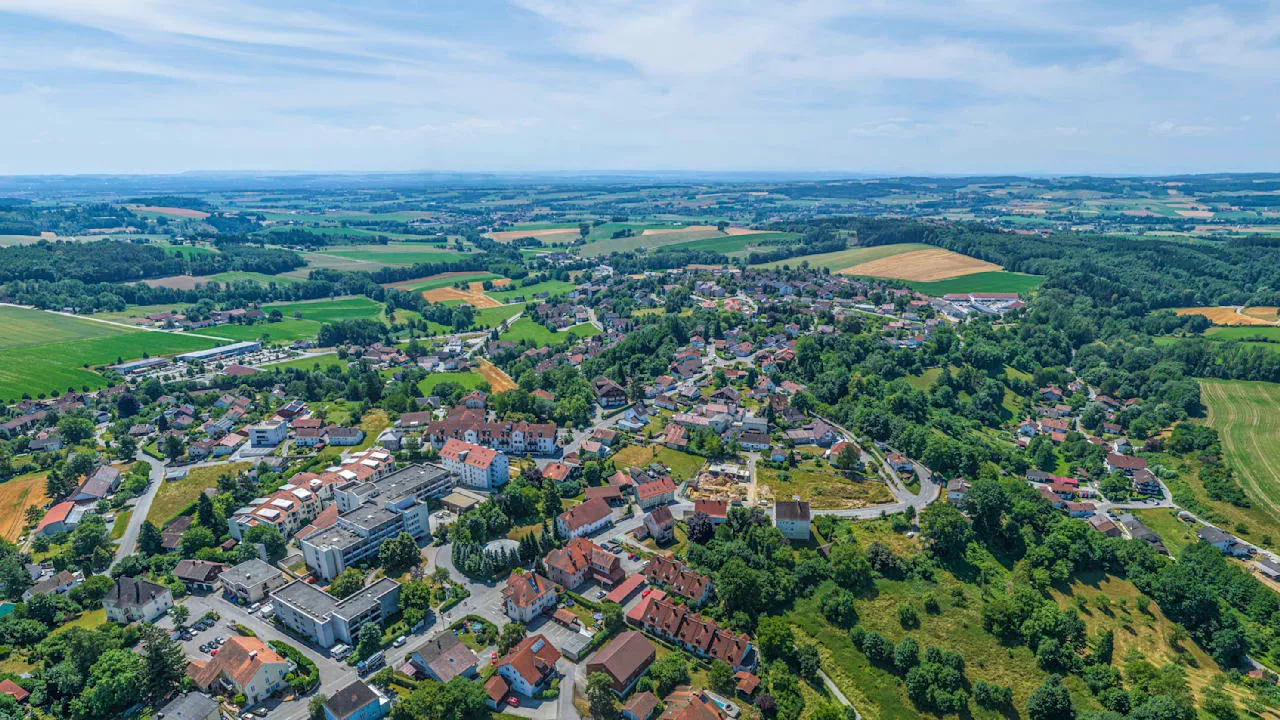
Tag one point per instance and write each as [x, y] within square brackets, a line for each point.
[474, 299]
[478, 286]
[173, 211]
[178, 282]
[551, 234]
[15, 497]
[498, 380]
[1223, 316]
[922, 265]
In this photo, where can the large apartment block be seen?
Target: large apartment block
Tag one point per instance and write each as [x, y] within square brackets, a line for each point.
[372, 511]
[326, 620]
[474, 465]
[469, 425]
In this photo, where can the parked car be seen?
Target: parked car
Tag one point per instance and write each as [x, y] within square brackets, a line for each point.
[400, 641]
[600, 594]
[260, 712]
[513, 701]
[204, 648]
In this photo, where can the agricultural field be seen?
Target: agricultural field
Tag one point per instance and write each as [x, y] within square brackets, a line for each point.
[396, 253]
[468, 380]
[922, 265]
[189, 282]
[733, 244]
[1245, 332]
[442, 280]
[133, 312]
[498, 380]
[16, 495]
[1270, 313]
[474, 295]
[309, 362]
[824, 487]
[547, 233]
[982, 282]
[46, 353]
[526, 329]
[644, 235]
[1223, 315]
[841, 259]
[174, 496]
[492, 317]
[510, 292]
[287, 330]
[1247, 418]
[327, 311]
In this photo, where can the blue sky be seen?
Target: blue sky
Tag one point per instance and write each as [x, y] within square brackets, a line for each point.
[887, 86]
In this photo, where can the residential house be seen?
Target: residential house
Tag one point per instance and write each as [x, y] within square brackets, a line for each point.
[199, 574]
[608, 393]
[640, 707]
[191, 706]
[132, 600]
[58, 583]
[661, 525]
[527, 596]
[530, 666]
[444, 657]
[717, 510]
[584, 518]
[251, 581]
[243, 666]
[1127, 464]
[357, 701]
[659, 491]
[474, 465]
[581, 560]
[792, 518]
[701, 636]
[326, 620]
[678, 578]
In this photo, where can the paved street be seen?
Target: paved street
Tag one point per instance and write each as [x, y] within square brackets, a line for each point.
[141, 506]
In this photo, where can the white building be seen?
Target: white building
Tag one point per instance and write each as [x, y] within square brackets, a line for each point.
[268, 434]
[326, 620]
[132, 600]
[792, 518]
[474, 465]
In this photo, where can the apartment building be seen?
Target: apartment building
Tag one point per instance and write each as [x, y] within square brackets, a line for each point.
[288, 510]
[326, 620]
[475, 466]
[268, 434]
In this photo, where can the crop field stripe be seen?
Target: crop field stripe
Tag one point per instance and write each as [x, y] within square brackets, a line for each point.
[1236, 411]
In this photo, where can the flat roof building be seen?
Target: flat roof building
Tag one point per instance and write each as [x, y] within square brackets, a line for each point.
[314, 613]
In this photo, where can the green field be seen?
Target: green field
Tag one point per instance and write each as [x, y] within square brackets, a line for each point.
[286, 330]
[47, 353]
[172, 497]
[683, 465]
[526, 329]
[733, 244]
[822, 486]
[992, 282]
[309, 363]
[468, 380]
[494, 316]
[841, 259]
[555, 287]
[327, 311]
[1244, 332]
[260, 278]
[432, 283]
[600, 242]
[1247, 417]
[396, 253]
[129, 314]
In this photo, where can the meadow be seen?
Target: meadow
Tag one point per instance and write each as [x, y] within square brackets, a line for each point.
[287, 330]
[326, 311]
[1224, 315]
[1244, 332]
[443, 280]
[172, 497]
[509, 293]
[823, 487]
[732, 245]
[396, 253]
[309, 362]
[46, 353]
[684, 466]
[1247, 418]
[492, 317]
[468, 380]
[526, 329]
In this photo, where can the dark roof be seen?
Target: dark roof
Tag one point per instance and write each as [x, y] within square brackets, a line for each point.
[793, 510]
[132, 592]
[349, 699]
[190, 706]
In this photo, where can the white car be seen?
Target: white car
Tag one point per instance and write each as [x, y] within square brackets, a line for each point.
[400, 641]
[254, 608]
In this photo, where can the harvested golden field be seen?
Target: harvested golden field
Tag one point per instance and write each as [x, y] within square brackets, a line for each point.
[16, 496]
[177, 282]
[741, 231]
[1263, 312]
[549, 234]
[498, 380]
[1223, 316]
[174, 211]
[473, 295]
[922, 265]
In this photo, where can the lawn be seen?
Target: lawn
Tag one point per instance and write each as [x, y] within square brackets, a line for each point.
[468, 380]
[1247, 417]
[683, 465]
[88, 620]
[61, 363]
[735, 244]
[526, 329]
[1175, 533]
[121, 523]
[1244, 332]
[555, 287]
[310, 363]
[327, 311]
[823, 487]
[286, 330]
[489, 318]
[443, 280]
[173, 497]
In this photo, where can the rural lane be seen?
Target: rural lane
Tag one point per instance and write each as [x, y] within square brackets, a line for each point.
[141, 506]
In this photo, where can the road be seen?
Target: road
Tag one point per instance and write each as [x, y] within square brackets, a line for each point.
[831, 686]
[141, 506]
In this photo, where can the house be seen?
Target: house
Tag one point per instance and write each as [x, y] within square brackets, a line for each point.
[747, 683]
[900, 463]
[659, 491]
[58, 519]
[1145, 482]
[133, 600]
[674, 436]
[529, 666]
[661, 525]
[581, 560]
[640, 706]
[957, 488]
[527, 596]
[474, 465]
[608, 393]
[1103, 524]
[717, 510]
[689, 704]
[624, 660]
[1080, 509]
[191, 706]
[344, 436]
[496, 688]
[635, 418]
[754, 440]
[1127, 464]
[357, 701]
[14, 690]
[1268, 569]
[1226, 543]
[268, 434]
[444, 657]
[251, 581]
[243, 665]
[792, 517]
[199, 574]
[58, 583]
[701, 636]
[101, 484]
[584, 518]
[678, 578]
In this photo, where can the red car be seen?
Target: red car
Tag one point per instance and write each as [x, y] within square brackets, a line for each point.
[213, 652]
[646, 592]
[513, 701]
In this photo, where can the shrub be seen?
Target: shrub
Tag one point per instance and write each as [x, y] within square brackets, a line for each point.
[992, 696]
[908, 618]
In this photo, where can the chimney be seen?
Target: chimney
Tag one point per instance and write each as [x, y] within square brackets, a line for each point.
[253, 654]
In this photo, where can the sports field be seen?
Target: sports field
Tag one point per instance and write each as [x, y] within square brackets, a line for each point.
[43, 352]
[983, 282]
[1247, 417]
[16, 495]
[526, 329]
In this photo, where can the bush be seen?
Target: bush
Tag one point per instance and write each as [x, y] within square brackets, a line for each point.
[992, 696]
[908, 618]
